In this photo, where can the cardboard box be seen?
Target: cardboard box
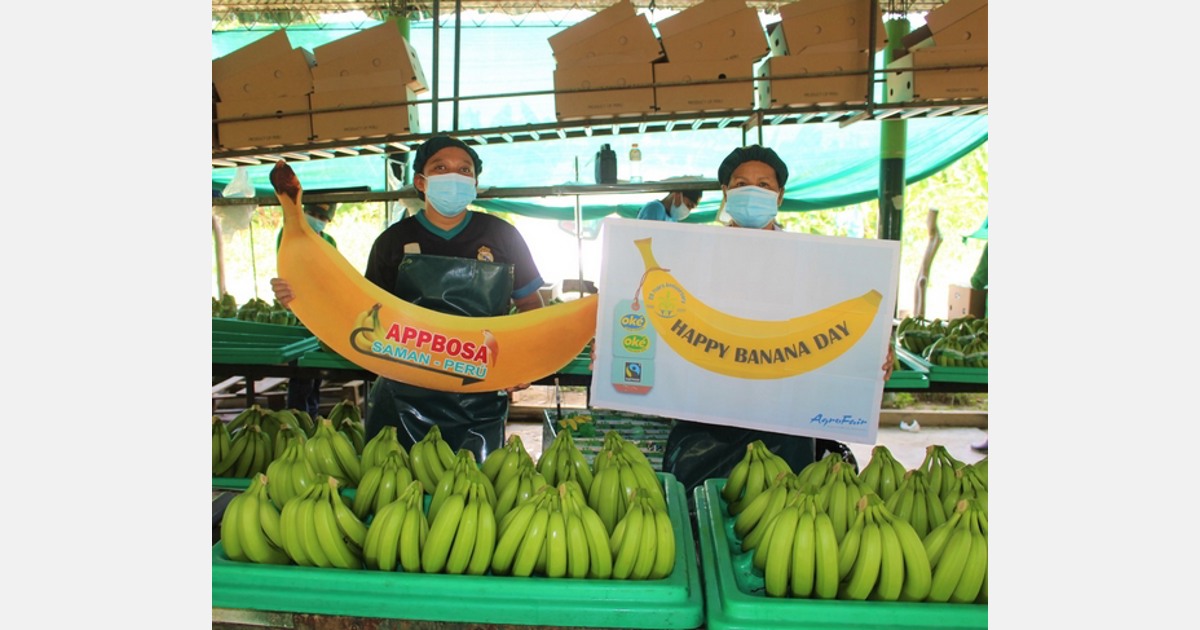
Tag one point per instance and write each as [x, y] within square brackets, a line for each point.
[905, 84]
[954, 23]
[364, 115]
[292, 123]
[952, 11]
[850, 88]
[972, 30]
[571, 36]
[632, 38]
[965, 301]
[289, 74]
[697, 15]
[602, 103]
[381, 48]
[811, 22]
[737, 35]
[732, 93]
[252, 54]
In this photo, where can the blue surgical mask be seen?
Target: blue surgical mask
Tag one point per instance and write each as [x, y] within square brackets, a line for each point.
[751, 206]
[680, 212]
[317, 225]
[449, 194]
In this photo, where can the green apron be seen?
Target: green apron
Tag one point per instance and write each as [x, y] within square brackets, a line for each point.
[460, 286]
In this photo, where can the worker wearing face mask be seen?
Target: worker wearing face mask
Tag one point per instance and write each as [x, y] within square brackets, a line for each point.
[675, 207]
[453, 260]
[752, 182]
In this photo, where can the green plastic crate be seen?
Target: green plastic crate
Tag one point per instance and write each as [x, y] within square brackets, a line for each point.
[734, 598]
[910, 374]
[241, 342]
[939, 373]
[676, 601]
[649, 433]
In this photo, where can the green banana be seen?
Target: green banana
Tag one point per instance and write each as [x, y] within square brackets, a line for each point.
[865, 572]
[627, 551]
[532, 544]
[441, 534]
[779, 556]
[803, 556]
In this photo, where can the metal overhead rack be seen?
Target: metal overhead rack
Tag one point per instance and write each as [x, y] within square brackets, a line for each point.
[843, 114]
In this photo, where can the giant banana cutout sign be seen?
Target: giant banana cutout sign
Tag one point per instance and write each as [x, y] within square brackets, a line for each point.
[748, 348]
[381, 333]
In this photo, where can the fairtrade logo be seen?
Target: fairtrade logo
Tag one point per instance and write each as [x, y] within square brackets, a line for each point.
[635, 343]
[633, 372]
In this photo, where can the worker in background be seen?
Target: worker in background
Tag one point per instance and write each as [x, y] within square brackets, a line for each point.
[675, 207]
[979, 282]
[752, 182]
[452, 260]
[304, 393]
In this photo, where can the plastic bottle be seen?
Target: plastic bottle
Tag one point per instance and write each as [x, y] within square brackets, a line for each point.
[606, 165]
[635, 164]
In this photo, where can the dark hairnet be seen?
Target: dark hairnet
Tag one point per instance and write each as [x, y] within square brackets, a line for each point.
[693, 195]
[751, 153]
[321, 210]
[437, 143]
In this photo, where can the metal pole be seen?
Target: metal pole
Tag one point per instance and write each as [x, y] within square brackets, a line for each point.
[892, 151]
[433, 118]
[457, 48]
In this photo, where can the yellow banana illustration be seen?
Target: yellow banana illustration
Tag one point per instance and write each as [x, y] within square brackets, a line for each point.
[748, 348]
[418, 346]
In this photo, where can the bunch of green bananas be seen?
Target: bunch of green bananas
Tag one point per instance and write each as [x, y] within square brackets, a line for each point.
[627, 453]
[347, 419]
[915, 334]
[882, 557]
[382, 484]
[981, 469]
[617, 478]
[512, 491]
[968, 484]
[379, 447]
[502, 465]
[643, 541]
[461, 476]
[815, 473]
[752, 522]
[318, 528]
[250, 527]
[957, 552]
[250, 452]
[291, 473]
[798, 553]
[221, 442]
[839, 496]
[225, 307]
[883, 474]
[332, 453]
[563, 461]
[555, 534]
[462, 531]
[397, 533]
[917, 503]
[284, 436]
[939, 465]
[429, 458]
[752, 475]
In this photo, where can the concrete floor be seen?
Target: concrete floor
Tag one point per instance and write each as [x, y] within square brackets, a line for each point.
[908, 447]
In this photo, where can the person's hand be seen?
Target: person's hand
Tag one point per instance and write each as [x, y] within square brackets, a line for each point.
[889, 363]
[283, 292]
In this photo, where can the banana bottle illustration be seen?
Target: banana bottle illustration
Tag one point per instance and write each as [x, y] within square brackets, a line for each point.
[405, 342]
[748, 348]
[634, 340]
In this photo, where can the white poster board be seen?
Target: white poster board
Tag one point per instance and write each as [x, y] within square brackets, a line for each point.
[760, 329]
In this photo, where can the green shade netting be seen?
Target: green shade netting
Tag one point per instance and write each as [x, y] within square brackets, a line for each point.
[830, 166]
